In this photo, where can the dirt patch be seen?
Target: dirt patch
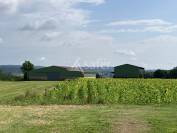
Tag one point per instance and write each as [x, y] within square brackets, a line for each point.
[42, 108]
[130, 126]
[35, 111]
[39, 122]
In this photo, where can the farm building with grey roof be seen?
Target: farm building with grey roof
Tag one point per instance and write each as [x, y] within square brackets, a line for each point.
[128, 71]
[55, 73]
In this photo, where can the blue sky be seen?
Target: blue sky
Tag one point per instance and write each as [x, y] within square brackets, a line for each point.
[89, 32]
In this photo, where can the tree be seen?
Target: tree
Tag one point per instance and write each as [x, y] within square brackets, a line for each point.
[173, 73]
[148, 74]
[98, 76]
[27, 66]
[161, 74]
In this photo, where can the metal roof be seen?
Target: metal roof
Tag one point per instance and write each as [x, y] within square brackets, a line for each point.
[130, 65]
[56, 68]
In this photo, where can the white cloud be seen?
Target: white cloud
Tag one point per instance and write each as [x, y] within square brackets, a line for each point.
[53, 14]
[1, 40]
[68, 2]
[93, 1]
[143, 22]
[161, 40]
[41, 25]
[50, 36]
[161, 29]
[10, 6]
[42, 59]
[77, 38]
[158, 51]
[13, 5]
[142, 25]
[125, 52]
[110, 31]
[158, 29]
[39, 14]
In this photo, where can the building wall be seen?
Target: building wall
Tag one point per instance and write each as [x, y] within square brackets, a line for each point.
[38, 76]
[128, 72]
[54, 76]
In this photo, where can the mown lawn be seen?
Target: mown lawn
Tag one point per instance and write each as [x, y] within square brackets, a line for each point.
[88, 119]
[9, 90]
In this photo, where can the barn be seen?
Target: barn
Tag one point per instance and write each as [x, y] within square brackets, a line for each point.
[55, 73]
[128, 71]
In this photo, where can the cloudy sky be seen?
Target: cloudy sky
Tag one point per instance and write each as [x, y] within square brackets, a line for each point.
[89, 32]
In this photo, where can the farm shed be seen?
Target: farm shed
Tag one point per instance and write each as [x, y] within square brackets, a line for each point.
[55, 73]
[128, 71]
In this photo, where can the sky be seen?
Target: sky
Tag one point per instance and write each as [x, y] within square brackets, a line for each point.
[89, 32]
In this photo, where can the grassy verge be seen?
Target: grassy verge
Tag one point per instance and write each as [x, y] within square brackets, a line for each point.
[88, 119]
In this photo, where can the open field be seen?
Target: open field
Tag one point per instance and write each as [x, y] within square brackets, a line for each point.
[88, 119]
[107, 91]
[106, 117]
[9, 90]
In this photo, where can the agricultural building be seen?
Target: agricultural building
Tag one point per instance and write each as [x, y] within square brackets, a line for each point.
[128, 71]
[55, 73]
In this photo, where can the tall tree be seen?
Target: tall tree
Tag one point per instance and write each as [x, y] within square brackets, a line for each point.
[27, 66]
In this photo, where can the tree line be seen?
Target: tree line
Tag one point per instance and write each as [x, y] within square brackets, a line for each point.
[164, 74]
[27, 66]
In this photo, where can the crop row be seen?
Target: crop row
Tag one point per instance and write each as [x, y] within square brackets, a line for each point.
[113, 91]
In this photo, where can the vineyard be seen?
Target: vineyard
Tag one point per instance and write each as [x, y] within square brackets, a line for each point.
[107, 91]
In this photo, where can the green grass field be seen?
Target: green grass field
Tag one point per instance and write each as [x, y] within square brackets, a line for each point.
[88, 119]
[10, 90]
[107, 118]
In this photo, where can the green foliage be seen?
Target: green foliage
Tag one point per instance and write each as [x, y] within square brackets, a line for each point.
[149, 74]
[81, 94]
[7, 77]
[27, 66]
[173, 73]
[113, 91]
[161, 74]
[170, 74]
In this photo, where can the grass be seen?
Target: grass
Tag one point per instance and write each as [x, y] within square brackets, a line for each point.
[10, 90]
[107, 118]
[88, 119]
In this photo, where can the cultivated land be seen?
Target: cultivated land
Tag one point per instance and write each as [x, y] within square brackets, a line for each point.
[107, 118]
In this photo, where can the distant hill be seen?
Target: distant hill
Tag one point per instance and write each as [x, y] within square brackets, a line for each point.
[13, 69]
[16, 69]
